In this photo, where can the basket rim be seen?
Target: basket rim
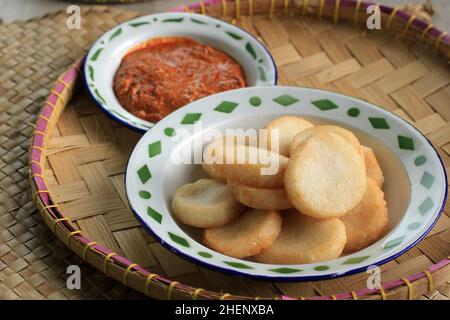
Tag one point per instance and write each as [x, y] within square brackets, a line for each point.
[43, 198]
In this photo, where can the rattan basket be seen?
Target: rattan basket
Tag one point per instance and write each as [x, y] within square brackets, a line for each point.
[78, 156]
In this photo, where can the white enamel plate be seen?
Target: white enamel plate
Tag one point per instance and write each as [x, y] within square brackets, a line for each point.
[415, 186]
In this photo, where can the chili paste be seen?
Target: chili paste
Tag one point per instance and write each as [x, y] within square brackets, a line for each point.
[167, 73]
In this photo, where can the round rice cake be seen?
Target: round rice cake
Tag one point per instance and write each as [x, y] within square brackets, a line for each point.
[326, 176]
[251, 233]
[305, 240]
[205, 203]
[368, 221]
[260, 198]
[285, 128]
[373, 169]
[256, 167]
[307, 133]
[209, 152]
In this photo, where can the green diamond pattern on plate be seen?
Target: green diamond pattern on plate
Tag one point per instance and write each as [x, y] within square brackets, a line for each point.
[155, 215]
[394, 242]
[144, 174]
[205, 254]
[191, 118]
[324, 104]
[379, 123]
[198, 21]
[96, 54]
[115, 34]
[234, 35]
[239, 265]
[250, 50]
[173, 20]
[285, 100]
[285, 270]
[321, 268]
[355, 260]
[426, 205]
[405, 143]
[420, 160]
[353, 112]
[255, 101]
[226, 106]
[138, 24]
[170, 132]
[154, 149]
[180, 240]
[414, 226]
[427, 180]
[145, 194]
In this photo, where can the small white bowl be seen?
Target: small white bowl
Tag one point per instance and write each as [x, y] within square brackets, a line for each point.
[415, 187]
[104, 57]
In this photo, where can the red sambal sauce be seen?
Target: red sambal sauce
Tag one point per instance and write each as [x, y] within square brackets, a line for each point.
[167, 73]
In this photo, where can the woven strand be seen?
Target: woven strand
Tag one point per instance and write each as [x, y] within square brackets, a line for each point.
[127, 271]
[320, 10]
[304, 7]
[56, 221]
[238, 9]
[354, 295]
[170, 289]
[224, 8]
[34, 175]
[50, 104]
[271, 8]
[356, 13]
[408, 25]
[70, 235]
[41, 116]
[333, 297]
[186, 8]
[38, 148]
[148, 280]
[196, 292]
[430, 280]
[286, 6]
[336, 11]
[59, 97]
[202, 7]
[410, 288]
[438, 42]
[224, 296]
[65, 85]
[106, 260]
[425, 31]
[250, 8]
[86, 247]
[391, 18]
[38, 192]
[383, 293]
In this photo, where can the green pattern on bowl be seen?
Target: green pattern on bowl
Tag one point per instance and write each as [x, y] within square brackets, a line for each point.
[424, 175]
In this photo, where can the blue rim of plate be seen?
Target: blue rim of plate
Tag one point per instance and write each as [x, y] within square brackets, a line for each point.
[127, 124]
[300, 278]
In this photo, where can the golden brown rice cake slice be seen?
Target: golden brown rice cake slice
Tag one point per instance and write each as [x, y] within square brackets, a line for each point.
[326, 177]
[368, 222]
[249, 165]
[285, 128]
[205, 203]
[252, 232]
[305, 240]
[260, 198]
[307, 133]
[373, 169]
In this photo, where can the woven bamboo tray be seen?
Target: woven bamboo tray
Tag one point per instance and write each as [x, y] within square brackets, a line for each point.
[78, 155]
